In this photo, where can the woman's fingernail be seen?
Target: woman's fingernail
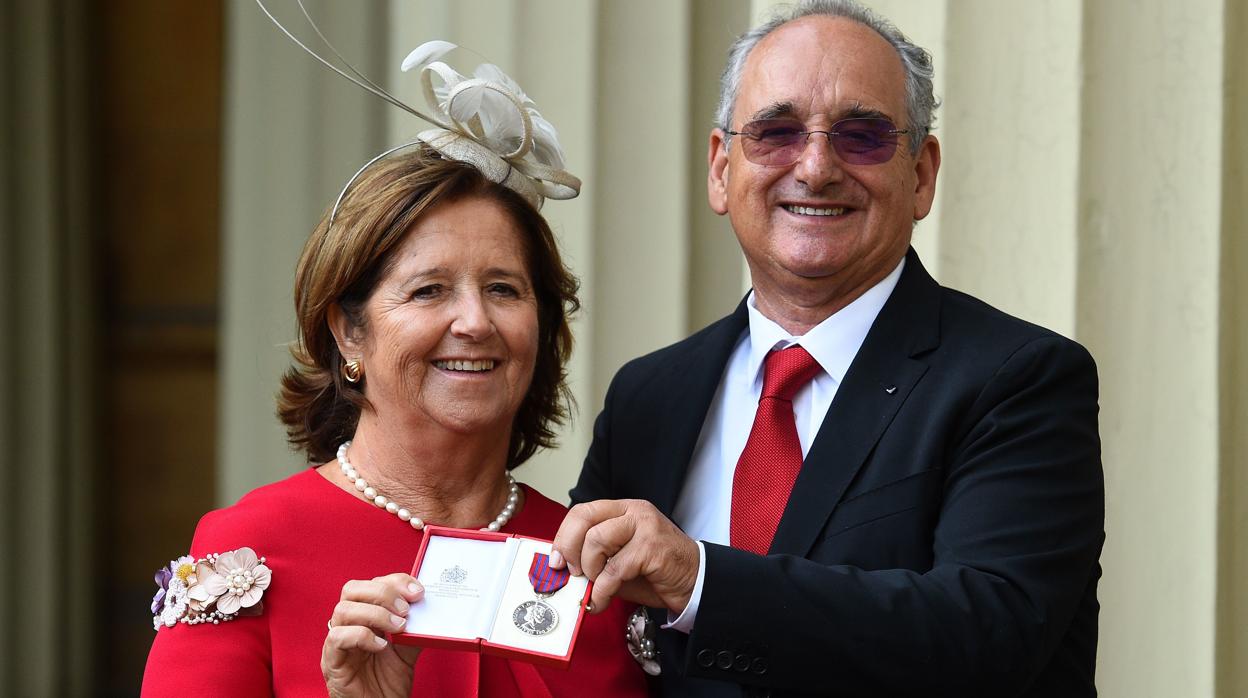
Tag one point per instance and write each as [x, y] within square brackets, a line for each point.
[415, 588]
[556, 560]
[397, 621]
[401, 605]
[381, 641]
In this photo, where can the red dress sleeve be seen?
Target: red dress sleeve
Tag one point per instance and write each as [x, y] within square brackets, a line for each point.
[228, 659]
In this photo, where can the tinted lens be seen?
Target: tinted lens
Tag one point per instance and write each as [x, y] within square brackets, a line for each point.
[773, 141]
[864, 141]
[780, 142]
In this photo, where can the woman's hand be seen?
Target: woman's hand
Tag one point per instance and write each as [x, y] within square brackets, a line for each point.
[357, 660]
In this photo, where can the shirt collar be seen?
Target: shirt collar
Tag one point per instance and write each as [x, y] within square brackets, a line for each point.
[834, 342]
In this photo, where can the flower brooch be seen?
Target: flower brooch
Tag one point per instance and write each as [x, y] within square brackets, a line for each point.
[639, 632]
[212, 589]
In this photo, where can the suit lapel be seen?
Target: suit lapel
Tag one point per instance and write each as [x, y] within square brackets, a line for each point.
[877, 383]
[690, 381]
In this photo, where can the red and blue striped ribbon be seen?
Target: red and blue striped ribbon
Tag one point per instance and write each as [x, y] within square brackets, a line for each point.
[544, 579]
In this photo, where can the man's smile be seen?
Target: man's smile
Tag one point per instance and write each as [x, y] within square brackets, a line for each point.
[814, 211]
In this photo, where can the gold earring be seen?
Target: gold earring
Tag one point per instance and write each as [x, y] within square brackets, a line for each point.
[353, 370]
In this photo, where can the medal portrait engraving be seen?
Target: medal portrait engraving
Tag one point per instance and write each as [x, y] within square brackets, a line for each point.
[535, 617]
[538, 617]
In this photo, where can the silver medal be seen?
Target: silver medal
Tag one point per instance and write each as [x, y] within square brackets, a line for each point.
[535, 617]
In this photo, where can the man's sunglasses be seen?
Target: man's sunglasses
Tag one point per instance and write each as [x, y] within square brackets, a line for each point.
[780, 142]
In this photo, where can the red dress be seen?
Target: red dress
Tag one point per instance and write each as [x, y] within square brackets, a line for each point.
[314, 537]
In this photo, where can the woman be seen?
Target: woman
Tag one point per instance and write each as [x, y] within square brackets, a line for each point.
[432, 307]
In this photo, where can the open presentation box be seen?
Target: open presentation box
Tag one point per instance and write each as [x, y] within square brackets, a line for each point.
[478, 594]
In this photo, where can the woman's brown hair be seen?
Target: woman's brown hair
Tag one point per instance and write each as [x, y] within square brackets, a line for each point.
[343, 262]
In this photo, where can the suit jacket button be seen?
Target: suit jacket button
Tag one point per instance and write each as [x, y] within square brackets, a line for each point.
[759, 666]
[741, 663]
[723, 660]
[706, 658]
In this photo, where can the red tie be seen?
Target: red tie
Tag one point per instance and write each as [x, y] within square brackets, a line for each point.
[773, 456]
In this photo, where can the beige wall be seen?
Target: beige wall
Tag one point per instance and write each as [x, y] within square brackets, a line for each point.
[1149, 258]
[294, 132]
[1092, 182]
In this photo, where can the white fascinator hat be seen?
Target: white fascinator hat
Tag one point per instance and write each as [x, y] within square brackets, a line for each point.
[483, 119]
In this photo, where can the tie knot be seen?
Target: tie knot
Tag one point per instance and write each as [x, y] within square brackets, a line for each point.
[786, 371]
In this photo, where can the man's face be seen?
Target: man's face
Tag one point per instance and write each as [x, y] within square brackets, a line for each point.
[819, 70]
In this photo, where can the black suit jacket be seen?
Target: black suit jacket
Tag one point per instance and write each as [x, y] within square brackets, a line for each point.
[942, 537]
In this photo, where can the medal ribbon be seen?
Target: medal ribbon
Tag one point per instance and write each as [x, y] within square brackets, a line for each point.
[544, 579]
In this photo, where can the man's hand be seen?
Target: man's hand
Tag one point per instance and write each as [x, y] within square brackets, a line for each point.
[627, 548]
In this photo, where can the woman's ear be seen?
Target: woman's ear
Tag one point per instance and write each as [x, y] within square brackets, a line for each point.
[346, 334]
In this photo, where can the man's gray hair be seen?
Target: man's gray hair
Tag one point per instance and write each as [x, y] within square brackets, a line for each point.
[920, 101]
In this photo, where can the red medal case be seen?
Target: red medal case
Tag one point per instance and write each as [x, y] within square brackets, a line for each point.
[439, 620]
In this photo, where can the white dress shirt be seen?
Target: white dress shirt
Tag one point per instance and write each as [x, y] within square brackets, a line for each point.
[705, 504]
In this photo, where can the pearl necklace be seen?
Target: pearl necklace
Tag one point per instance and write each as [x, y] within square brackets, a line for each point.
[384, 502]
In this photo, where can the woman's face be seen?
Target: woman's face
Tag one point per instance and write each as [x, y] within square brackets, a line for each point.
[451, 330]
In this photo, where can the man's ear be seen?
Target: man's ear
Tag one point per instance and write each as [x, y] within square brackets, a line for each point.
[926, 165]
[717, 172]
[346, 334]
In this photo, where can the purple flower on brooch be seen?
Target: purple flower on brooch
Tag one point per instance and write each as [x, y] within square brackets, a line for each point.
[163, 575]
[169, 604]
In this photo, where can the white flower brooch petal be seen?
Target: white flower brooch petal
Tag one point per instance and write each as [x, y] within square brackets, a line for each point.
[212, 589]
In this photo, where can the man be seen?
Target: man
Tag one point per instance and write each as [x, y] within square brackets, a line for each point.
[909, 503]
